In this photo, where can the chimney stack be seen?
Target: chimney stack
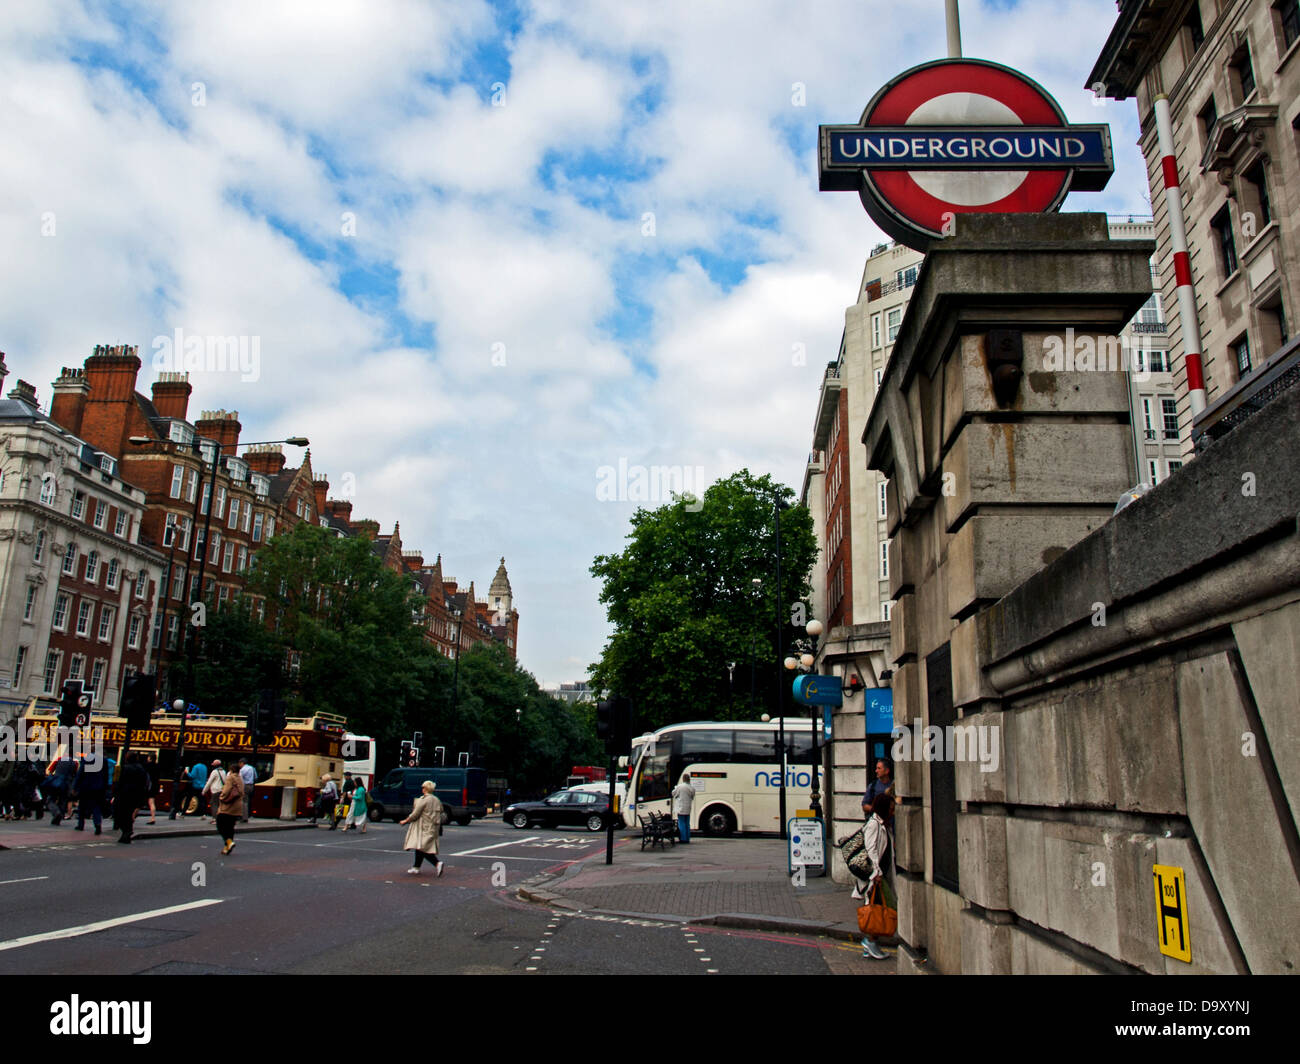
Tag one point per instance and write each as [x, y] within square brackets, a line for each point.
[265, 458]
[69, 403]
[4, 370]
[222, 426]
[171, 395]
[24, 393]
[339, 508]
[321, 486]
[111, 371]
[367, 529]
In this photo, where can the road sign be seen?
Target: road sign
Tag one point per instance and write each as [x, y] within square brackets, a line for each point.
[807, 839]
[958, 136]
[1171, 912]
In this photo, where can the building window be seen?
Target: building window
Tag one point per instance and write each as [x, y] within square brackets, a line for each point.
[52, 659]
[207, 499]
[96, 681]
[1148, 419]
[199, 535]
[1222, 226]
[157, 632]
[48, 491]
[121, 526]
[191, 485]
[875, 330]
[880, 375]
[882, 499]
[70, 559]
[1288, 13]
[1257, 191]
[141, 584]
[248, 514]
[884, 560]
[101, 514]
[1241, 353]
[243, 559]
[75, 667]
[173, 624]
[78, 505]
[1158, 361]
[1153, 472]
[1169, 411]
[905, 278]
[1193, 27]
[886, 608]
[18, 666]
[1244, 74]
[257, 529]
[216, 548]
[169, 530]
[92, 566]
[186, 526]
[110, 577]
[38, 549]
[178, 585]
[29, 607]
[1174, 465]
[1209, 114]
[133, 634]
[895, 322]
[84, 612]
[234, 514]
[221, 503]
[178, 477]
[228, 558]
[107, 615]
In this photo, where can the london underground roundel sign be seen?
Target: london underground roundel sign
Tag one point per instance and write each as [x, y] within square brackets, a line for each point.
[960, 136]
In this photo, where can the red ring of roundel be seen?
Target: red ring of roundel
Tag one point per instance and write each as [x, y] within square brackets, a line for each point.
[896, 188]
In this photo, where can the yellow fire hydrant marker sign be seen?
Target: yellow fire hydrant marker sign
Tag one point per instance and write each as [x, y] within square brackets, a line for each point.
[1171, 912]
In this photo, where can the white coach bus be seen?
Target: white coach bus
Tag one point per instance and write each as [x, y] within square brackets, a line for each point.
[735, 769]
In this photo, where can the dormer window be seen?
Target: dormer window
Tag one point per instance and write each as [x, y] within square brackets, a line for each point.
[261, 485]
[179, 432]
[107, 464]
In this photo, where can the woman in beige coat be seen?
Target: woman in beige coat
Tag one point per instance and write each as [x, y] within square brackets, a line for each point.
[230, 808]
[422, 836]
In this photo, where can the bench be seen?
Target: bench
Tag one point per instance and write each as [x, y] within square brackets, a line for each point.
[656, 828]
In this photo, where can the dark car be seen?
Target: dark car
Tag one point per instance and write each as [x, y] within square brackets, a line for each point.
[463, 791]
[563, 807]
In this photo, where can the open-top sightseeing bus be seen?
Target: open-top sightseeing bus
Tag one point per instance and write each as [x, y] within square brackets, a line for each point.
[735, 769]
[297, 756]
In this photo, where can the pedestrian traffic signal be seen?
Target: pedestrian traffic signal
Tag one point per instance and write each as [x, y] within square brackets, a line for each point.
[413, 758]
[439, 755]
[138, 695]
[70, 707]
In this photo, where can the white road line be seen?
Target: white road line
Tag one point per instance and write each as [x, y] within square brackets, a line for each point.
[104, 925]
[29, 879]
[498, 846]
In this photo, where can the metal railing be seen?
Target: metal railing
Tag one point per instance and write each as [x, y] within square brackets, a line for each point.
[1250, 395]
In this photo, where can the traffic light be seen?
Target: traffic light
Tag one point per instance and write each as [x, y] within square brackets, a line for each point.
[267, 718]
[605, 722]
[138, 698]
[410, 754]
[440, 755]
[614, 725]
[71, 706]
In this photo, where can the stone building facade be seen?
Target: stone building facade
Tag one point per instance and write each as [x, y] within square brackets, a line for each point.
[1232, 75]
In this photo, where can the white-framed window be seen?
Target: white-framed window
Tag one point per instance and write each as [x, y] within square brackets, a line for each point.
[882, 499]
[886, 608]
[97, 681]
[1169, 415]
[92, 566]
[84, 613]
[122, 526]
[875, 330]
[1173, 465]
[257, 528]
[179, 432]
[884, 560]
[53, 659]
[297, 506]
[170, 528]
[216, 548]
[191, 485]
[178, 583]
[234, 514]
[29, 605]
[19, 661]
[228, 558]
[1148, 418]
[270, 527]
[880, 376]
[905, 277]
[38, 548]
[207, 499]
[173, 623]
[110, 576]
[107, 615]
[133, 632]
[248, 515]
[178, 479]
[199, 534]
[101, 513]
[221, 503]
[243, 559]
[49, 492]
[223, 593]
[157, 632]
[142, 583]
[76, 666]
[1153, 472]
[78, 505]
[61, 603]
[1159, 361]
[895, 323]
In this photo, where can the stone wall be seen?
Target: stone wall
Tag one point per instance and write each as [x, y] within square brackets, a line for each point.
[1133, 678]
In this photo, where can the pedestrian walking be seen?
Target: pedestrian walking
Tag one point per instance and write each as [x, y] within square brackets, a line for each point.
[357, 815]
[230, 805]
[683, 796]
[58, 788]
[130, 793]
[425, 822]
[198, 787]
[875, 844]
[248, 775]
[151, 770]
[90, 787]
[181, 795]
[327, 800]
[212, 789]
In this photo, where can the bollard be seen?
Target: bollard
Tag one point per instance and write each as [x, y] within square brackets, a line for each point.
[289, 803]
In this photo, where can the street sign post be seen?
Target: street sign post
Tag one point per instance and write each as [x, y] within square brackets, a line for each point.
[807, 844]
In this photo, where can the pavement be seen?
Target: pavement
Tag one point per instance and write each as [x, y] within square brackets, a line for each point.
[38, 834]
[727, 882]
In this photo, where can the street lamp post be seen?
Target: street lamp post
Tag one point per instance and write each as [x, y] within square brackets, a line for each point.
[753, 642]
[807, 661]
[780, 651]
[191, 653]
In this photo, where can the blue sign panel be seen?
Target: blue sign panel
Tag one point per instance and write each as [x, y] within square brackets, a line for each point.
[992, 148]
[818, 690]
[879, 708]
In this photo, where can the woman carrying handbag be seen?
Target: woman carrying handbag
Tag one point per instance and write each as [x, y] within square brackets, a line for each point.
[878, 918]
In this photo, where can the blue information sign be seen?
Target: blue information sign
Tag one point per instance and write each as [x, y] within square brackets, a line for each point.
[879, 708]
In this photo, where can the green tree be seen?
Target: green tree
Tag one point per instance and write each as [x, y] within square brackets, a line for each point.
[683, 603]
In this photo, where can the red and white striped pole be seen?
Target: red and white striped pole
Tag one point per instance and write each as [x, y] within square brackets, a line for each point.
[1187, 315]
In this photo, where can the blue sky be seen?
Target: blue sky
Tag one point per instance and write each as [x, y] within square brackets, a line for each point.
[582, 232]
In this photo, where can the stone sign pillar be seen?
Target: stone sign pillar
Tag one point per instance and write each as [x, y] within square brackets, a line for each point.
[1002, 423]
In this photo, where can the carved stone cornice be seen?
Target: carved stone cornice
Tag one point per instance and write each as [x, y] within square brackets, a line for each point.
[1238, 138]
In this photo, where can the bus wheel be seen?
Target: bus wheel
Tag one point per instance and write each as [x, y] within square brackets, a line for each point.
[717, 820]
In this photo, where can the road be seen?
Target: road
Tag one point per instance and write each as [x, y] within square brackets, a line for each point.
[318, 902]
